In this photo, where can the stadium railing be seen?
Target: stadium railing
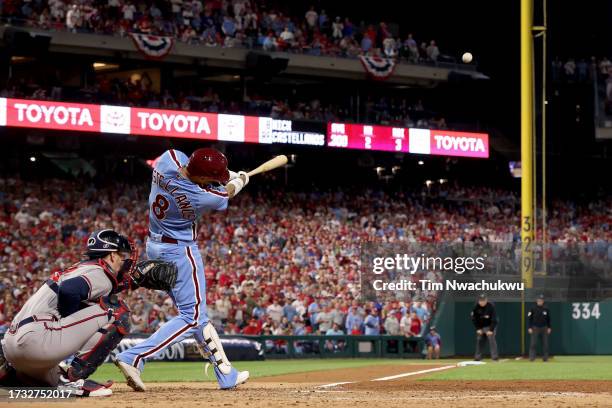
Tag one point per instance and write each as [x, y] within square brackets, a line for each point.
[312, 346]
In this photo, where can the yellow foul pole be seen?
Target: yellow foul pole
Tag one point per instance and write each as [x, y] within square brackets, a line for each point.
[527, 219]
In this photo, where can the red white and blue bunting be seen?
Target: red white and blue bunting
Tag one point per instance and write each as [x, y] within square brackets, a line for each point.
[377, 67]
[153, 47]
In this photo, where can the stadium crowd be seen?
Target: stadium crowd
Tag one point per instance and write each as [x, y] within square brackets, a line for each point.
[593, 70]
[383, 110]
[275, 263]
[217, 23]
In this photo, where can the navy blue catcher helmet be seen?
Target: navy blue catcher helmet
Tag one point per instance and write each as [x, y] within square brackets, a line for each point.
[101, 243]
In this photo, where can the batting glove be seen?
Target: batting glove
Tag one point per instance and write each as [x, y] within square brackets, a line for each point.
[245, 177]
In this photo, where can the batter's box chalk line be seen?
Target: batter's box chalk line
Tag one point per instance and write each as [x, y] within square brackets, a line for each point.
[392, 377]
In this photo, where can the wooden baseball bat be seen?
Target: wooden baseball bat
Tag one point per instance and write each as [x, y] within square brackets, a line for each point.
[271, 164]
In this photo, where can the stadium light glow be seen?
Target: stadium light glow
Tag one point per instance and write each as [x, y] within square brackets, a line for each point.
[101, 66]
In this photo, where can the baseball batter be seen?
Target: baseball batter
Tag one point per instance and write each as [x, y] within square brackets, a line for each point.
[75, 313]
[182, 189]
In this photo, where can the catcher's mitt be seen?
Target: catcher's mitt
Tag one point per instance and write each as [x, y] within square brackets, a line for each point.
[154, 274]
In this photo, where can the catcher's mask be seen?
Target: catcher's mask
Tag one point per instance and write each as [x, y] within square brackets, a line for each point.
[129, 264]
[101, 243]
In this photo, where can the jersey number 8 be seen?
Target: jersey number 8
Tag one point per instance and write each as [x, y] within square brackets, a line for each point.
[160, 206]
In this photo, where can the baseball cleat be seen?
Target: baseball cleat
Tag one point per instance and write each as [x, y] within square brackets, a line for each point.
[243, 376]
[132, 375]
[8, 375]
[231, 380]
[86, 388]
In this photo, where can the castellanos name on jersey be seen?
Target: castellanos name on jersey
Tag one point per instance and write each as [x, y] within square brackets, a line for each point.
[175, 203]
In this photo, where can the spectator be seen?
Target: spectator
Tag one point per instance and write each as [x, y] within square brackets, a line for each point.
[298, 326]
[366, 44]
[252, 329]
[228, 27]
[433, 343]
[420, 310]
[313, 310]
[354, 318]
[288, 37]
[270, 43]
[283, 328]
[338, 316]
[412, 328]
[73, 17]
[356, 330]
[312, 17]
[570, 69]
[389, 47]
[348, 28]
[411, 325]
[138, 318]
[334, 331]
[129, 10]
[324, 320]
[159, 321]
[337, 28]
[275, 311]
[392, 325]
[432, 51]
[289, 311]
[372, 323]
[224, 306]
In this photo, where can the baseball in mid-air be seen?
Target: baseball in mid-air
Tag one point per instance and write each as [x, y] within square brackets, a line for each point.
[467, 57]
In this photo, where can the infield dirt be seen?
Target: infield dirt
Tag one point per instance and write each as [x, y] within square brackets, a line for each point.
[304, 389]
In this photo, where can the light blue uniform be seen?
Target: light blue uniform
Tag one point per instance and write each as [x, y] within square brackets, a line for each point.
[175, 203]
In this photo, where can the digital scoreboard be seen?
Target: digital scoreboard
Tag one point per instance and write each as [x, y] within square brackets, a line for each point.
[407, 140]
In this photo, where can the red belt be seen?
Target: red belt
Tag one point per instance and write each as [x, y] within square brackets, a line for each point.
[167, 240]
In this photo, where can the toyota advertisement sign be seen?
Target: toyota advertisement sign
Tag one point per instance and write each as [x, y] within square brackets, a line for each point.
[237, 128]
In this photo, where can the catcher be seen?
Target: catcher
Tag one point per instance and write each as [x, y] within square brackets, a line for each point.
[77, 313]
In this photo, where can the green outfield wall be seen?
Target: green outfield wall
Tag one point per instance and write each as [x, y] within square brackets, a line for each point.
[577, 327]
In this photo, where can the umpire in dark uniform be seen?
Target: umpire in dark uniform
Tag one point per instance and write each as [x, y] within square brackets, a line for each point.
[485, 322]
[539, 325]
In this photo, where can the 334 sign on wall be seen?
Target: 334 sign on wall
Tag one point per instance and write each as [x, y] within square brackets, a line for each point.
[585, 310]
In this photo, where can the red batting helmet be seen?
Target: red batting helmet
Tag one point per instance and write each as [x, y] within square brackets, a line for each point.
[208, 162]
